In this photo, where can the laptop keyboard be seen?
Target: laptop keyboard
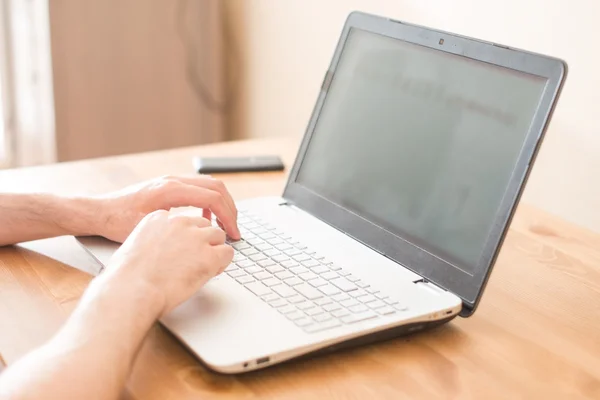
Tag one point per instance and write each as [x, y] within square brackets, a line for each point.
[306, 288]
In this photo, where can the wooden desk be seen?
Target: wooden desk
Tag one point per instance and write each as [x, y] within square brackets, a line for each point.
[535, 335]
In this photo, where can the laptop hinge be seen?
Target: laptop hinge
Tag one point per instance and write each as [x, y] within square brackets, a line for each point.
[429, 285]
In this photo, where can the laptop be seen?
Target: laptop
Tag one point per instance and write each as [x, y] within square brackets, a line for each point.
[404, 186]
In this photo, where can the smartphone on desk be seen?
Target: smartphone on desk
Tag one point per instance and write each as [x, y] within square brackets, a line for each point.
[212, 165]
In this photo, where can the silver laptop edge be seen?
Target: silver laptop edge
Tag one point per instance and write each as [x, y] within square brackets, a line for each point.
[404, 227]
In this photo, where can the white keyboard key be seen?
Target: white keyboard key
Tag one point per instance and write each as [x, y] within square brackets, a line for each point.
[381, 296]
[340, 297]
[352, 278]
[331, 307]
[264, 247]
[294, 281]
[386, 310]
[262, 275]
[372, 290]
[341, 272]
[245, 263]
[249, 251]
[308, 276]
[271, 297]
[343, 284]
[284, 291]
[376, 304]
[275, 269]
[305, 305]
[272, 282]
[301, 322]
[332, 323]
[358, 308]
[287, 263]
[333, 267]
[349, 303]
[323, 270]
[258, 257]
[253, 270]
[317, 282]
[329, 275]
[283, 246]
[238, 257]
[266, 263]
[280, 258]
[340, 313]
[272, 252]
[231, 267]
[311, 263]
[323, 300]
[301, 257]
[298, 270]
[258, 288]
[237, 273]
[284, 275]
[275, 241]
[400, 307]
[322, 317]
[314, 311]
[362, 284]
[292, 252]
[352, 318]
[308, 291]
[245, 279]
[264, 235]
[240, 245]
[358, 293]
[389, 301]
[278, 303]
[329, 290]
[255, 242]
[295, 315]
[295, 299]
[367, 298]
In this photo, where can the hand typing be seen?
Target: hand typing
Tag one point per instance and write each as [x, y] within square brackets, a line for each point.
[174, 254]
[121, 211]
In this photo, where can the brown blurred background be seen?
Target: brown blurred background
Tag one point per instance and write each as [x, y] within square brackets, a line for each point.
[94, 78]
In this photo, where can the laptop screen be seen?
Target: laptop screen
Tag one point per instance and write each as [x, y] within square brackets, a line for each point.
[420, 142]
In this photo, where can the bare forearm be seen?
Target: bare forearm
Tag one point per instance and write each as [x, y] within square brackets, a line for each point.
[25, 217]
[91, 356]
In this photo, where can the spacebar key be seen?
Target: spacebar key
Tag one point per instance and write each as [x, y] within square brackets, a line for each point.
[343, 284]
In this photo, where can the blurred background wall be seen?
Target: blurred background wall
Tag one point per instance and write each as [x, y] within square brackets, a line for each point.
[85, 79]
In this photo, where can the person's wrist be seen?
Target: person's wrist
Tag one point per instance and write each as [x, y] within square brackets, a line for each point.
[77, 216]
[126, 289]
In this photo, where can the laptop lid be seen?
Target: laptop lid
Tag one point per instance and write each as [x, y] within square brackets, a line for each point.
[420, 144]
